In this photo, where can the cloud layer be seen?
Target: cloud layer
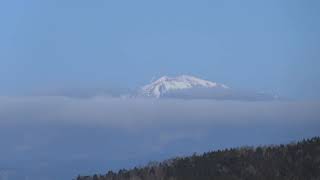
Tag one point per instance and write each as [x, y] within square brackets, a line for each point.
[138, 113]
[46, 136]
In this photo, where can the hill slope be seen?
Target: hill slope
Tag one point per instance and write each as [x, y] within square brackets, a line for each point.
[293, 161]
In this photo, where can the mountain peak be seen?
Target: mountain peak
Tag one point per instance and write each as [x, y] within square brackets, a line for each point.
[166, 84]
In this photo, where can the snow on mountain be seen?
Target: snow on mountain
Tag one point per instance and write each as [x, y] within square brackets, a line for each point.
[167, 84]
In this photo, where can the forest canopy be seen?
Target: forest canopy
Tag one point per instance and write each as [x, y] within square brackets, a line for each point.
[292, 161]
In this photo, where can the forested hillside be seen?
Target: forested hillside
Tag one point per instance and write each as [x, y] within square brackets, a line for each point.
[294, 161]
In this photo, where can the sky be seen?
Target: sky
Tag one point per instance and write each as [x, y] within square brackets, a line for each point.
[271, 46]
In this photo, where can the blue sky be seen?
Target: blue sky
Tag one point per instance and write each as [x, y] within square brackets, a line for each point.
[271, 46]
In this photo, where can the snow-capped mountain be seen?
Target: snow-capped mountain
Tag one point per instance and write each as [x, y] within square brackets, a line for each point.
[180, 87]
[165, 85]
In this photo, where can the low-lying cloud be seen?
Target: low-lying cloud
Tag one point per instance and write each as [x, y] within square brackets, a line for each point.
[48, 137]
[138, 113]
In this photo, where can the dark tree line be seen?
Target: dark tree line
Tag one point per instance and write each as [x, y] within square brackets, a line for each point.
[296, 161]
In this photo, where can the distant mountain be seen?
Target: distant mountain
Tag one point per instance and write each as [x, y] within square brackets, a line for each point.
[190, 87]
[167, 84]
[180, 87]
[284, 162]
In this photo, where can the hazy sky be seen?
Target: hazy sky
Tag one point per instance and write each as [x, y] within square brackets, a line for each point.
[271, 46]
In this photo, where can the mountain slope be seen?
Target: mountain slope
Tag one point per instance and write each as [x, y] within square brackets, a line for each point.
[284, 162]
